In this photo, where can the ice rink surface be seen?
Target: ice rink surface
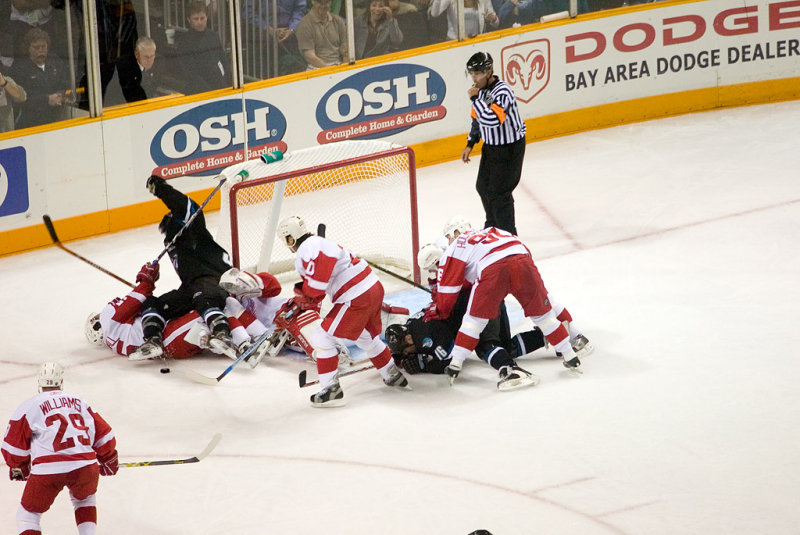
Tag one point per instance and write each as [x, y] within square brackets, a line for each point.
[674, 243]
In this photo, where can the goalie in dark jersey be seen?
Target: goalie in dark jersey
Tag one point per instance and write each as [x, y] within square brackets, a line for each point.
[199, 262]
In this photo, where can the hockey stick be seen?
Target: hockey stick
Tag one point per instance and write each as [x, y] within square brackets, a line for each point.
[200, 378]
[396, 276]
[52, 230]
[321, 233]
[302, 377]
[241, 173]
[196, 459]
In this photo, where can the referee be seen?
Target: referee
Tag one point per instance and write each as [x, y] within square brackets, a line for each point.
[496, 120]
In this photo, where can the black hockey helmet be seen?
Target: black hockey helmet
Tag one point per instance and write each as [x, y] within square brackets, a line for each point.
[396, 338]
[480, 62]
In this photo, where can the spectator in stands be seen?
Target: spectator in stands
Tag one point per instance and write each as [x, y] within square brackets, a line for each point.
[28, 14]
[136, 73]
[322, 36]
[117, 34]
[479, 16]
[10, 94]
[290, 13]
[518, 12]
[199, 56]
[376, 31]
[45, 79]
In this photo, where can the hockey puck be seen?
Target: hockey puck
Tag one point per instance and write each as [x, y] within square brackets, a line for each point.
[164, 370]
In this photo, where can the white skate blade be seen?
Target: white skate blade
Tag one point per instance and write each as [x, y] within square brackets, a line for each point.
[148, 353]
[221, 348]
[585, 351]
[521, 382]
[329, 404]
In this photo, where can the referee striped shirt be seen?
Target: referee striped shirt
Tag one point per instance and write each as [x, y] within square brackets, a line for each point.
[495, 113]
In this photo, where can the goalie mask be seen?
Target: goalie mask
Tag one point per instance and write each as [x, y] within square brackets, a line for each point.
[94, 330]
[457, 223]
[51, 375]
[241, 284]
[396, 338]
[292, 230]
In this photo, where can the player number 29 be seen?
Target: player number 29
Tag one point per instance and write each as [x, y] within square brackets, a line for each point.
[77, 422]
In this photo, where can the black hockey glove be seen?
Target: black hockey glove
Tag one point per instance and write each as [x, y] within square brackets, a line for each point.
[413, 364]
[152, 183]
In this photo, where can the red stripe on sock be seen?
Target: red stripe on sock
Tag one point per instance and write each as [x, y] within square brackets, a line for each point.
[382, 359]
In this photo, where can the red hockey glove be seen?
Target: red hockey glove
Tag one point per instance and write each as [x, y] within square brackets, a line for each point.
[149, 272]
[20, 473]
[304, 301]
[432, 313]
[109, 464]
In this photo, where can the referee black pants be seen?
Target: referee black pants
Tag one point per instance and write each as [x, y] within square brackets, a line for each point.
[499, 173]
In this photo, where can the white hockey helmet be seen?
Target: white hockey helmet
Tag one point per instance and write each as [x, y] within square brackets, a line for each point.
[51, 375]
[94, 330]
[456, 223]
[291, 230]
[428, 257]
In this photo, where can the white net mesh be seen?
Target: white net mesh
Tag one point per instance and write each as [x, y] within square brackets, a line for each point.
[363, 191]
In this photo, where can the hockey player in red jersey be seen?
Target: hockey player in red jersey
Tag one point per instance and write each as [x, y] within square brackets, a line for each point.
[357, 294]
[423, 346]
[496, 264]
[119, 324]
[53, 440]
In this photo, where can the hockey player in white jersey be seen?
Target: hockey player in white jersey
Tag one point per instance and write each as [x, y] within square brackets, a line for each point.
[496, 264]
[53, 440]
[357, 294]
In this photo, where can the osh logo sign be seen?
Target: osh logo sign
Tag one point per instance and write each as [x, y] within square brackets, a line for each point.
[526, 68]
[208, 138]
[380, 102]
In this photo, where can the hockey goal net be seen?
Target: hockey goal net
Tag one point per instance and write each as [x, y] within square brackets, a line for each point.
[363, 191]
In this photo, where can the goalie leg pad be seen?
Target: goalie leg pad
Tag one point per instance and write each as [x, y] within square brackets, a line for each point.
[302, 328]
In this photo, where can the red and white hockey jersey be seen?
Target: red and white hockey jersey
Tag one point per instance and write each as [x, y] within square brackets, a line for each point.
[58, 431]
[465, 258]
[326, 267]
[121, 321]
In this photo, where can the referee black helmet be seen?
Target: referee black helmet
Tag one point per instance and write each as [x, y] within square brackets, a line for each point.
[479, 62]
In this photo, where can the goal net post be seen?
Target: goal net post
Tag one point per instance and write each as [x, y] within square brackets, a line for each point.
[363, 191]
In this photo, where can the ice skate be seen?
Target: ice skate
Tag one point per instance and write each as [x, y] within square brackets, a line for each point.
[151, 349]
[222, 344]
[513, 377]
[581, 346]
[257, 354]
[573, 364]
[396, 378]
[330, 396]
